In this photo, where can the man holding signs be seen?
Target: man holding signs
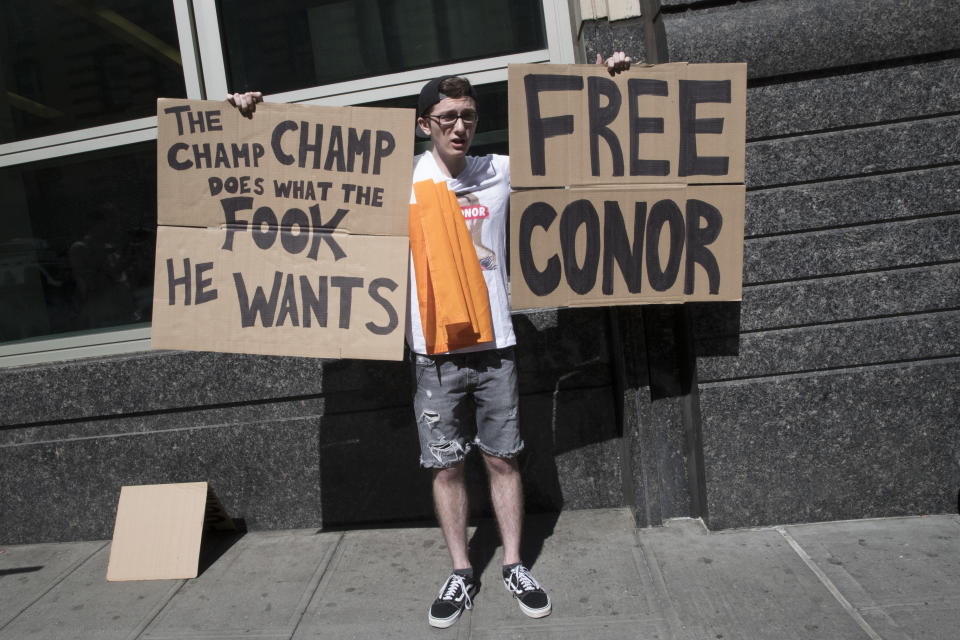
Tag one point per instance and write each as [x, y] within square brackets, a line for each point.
[466, 384]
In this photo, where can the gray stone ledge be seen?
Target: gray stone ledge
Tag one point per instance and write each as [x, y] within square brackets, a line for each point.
[566, 347]
[881, 246]
[164, 421]
[150, 381]
[265, 473]
[857, 200]
[777, 37]
[854, 99]
[832, 447]
[843, 298]
[850, 344]
[841, 154]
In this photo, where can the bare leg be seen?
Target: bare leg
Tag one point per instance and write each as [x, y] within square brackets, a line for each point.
[450, 501]
[506, 492]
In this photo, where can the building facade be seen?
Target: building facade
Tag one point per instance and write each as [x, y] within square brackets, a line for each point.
[832, 391]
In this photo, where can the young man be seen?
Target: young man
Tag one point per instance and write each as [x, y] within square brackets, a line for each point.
[469, 397]
[475, 386]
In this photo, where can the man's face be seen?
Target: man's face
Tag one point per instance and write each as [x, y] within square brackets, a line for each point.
[451, 140]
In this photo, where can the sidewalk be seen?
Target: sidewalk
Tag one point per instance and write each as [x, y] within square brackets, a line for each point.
[894, 579]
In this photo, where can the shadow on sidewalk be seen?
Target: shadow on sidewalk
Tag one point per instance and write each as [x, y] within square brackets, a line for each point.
[216, 543]
[486, 539]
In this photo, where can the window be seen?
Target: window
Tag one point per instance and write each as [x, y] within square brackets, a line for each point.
[78, 125]
[277, 47]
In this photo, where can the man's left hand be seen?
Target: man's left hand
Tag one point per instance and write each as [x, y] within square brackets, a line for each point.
[616, 63]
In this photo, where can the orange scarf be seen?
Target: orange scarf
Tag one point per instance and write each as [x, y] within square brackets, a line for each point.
[454, 306]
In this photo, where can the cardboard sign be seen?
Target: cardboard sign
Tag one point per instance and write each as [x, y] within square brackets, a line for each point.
[159, 529]
[598, 247]
[282, 234]
[573, 125]
[647, 169]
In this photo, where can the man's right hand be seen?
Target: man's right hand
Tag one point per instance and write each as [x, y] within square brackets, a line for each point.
[245, 102]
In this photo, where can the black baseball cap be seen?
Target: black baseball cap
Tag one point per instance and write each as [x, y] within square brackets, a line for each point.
[431, 95]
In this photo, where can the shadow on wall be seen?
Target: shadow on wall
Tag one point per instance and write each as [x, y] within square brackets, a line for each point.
[369, 471]
[716, 327]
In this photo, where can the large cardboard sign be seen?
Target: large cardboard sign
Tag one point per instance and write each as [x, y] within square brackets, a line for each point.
[640, 193]
[573, 125]
[598, 247]
[282, 234]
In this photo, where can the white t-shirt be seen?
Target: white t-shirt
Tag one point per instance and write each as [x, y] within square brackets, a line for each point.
[483, 189]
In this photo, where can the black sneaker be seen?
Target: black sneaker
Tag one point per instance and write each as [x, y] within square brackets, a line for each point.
[531, 597]
[455, 595]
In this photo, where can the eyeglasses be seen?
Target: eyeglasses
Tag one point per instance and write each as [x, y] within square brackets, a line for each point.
[449, 118]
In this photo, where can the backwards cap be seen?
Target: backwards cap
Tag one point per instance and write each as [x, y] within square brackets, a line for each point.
[431, 95]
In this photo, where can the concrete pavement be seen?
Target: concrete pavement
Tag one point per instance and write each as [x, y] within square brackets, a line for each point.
[895, 579]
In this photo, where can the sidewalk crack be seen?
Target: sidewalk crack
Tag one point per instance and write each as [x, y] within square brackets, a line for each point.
[828, 583]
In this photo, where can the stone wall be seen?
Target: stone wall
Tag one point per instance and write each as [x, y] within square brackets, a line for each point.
[287, 442]
[832, 391]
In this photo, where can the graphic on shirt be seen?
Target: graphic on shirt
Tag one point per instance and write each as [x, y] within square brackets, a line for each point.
[475, 214]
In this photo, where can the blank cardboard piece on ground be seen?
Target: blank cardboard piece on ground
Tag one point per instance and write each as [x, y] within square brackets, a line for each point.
[159, 528]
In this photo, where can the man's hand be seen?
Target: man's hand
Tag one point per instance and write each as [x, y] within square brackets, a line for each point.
[616, 63]
[245, 102]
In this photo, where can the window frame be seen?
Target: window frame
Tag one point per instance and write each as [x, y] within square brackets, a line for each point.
[201, 51]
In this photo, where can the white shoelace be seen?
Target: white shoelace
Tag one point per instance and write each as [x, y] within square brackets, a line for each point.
[520, 580]
[449, 591]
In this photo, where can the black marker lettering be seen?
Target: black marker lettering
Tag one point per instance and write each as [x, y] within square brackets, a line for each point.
[693, 92]
[616, 246]
[641, 87]
[599, 118]
[393, 319]
[260, 305]
[697, 241]
[346, 285]
[664, 212]
[540, 128]
[541, 283]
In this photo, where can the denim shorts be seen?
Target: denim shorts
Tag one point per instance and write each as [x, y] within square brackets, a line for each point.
[463, 399]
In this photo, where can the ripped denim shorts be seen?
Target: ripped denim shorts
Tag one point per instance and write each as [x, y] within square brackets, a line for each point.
[466, 399]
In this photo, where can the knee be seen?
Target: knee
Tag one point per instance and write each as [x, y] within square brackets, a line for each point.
[449, 475]
[501, 466]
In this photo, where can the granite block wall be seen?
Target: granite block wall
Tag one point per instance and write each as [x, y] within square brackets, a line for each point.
[831, 391]
[286, 442]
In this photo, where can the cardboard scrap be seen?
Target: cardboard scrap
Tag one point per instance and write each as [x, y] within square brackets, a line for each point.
[159, 528]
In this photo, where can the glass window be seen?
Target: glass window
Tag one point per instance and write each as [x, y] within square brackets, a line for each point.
[78, 241]
[74, 64]
[275, 47]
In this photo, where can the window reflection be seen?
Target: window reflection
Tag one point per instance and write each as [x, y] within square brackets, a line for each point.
[77, 242]
[274, 47]
[72, 64]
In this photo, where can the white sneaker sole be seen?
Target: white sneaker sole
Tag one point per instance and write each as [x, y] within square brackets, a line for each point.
[442, 623]
[536, 613]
